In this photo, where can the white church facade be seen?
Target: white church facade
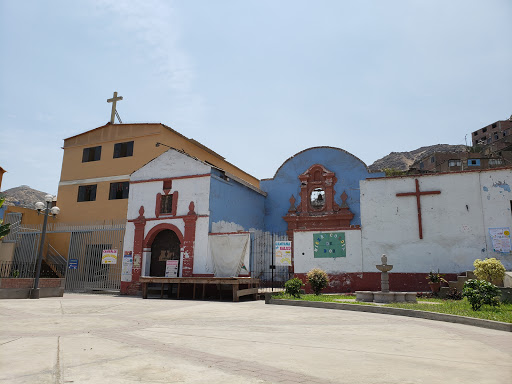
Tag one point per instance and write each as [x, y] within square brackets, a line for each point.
[188, 218]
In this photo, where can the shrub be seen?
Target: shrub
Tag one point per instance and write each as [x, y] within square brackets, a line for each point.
[489, 269]
[318, 280]
[480, 292]
[293, 286]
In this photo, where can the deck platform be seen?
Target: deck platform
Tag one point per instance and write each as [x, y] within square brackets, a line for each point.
[251, 283]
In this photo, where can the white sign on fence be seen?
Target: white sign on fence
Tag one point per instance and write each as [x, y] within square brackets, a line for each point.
[109, 256]
[283, 253]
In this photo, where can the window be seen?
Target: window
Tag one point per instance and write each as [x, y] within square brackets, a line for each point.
[119, 190]
[475, 133]
[123, 149]
[87, 193]
[495, 161]
[166, 204]
[494, 125]
[91, 154]
[454, 163]
[421, 165]
[317, 198]
[484, 129]
[432, 159]
[496, 136]
[489, 140]
[473, 162]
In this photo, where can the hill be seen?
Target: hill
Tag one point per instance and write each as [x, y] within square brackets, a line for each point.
[23, 196]
[403, 160]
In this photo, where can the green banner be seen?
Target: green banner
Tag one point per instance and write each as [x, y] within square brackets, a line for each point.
[329, 245]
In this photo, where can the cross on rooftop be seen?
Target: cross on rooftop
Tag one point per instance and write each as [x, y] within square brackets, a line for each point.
[114, 100]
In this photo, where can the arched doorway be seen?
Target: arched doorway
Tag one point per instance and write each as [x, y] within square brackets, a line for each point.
[165, 246]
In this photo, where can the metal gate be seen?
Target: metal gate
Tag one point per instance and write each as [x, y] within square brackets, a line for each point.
[82, 265]
[85, 269]
[263, 260]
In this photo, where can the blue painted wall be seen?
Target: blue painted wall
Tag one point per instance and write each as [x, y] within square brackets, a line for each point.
[231, 201]
[349, 170]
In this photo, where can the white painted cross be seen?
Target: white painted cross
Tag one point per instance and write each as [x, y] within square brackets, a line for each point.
[114, 100]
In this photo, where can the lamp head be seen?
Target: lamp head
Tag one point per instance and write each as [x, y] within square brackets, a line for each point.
[55, 211]
[39, 206]
[48, 198]
[157, 144]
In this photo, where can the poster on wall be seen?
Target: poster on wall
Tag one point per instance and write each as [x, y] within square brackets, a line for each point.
[283, 252]
[126, 271]
[329, 245]
[109, 256]
[171, 268]
[500, 239]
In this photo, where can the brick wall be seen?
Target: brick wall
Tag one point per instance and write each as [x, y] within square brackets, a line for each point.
[29, 283]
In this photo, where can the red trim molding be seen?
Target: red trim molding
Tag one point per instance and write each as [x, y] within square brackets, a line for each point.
[229, 233]
[150, 237]
[171, 178]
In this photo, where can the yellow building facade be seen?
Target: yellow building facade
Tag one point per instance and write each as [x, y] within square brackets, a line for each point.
[97, 164]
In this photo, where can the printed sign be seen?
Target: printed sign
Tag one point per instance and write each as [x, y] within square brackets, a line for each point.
[500, 239]
[171, 268]
[109, 256]
[73, 264]
[283, 253]
[329, 245]
[126, 271]
[136, 261]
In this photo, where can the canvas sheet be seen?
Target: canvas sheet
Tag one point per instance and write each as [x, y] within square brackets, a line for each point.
[230, 254]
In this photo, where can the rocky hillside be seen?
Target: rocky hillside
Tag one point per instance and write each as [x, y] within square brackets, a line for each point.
[23, 196]
[403, 160]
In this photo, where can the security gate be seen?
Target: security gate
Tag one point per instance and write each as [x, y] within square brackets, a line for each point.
[85, 269]
[263, 260]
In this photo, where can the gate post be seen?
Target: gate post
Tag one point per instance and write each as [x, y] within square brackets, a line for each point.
[188, 243]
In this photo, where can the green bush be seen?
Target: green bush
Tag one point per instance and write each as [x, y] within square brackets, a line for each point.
[480, 292]
[318, 280]
[293, 286]
[489, 269]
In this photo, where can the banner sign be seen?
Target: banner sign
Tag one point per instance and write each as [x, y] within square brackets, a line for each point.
[73, 264]
[126, 271]
[171, 268]
[329, 245]
[500, 239]
[283, 251]
[109, 256]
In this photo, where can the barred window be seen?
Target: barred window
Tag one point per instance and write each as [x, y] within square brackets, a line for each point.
[166, 204]
[119, 190]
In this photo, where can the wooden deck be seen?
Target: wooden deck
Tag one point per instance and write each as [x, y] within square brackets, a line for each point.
[235, 282]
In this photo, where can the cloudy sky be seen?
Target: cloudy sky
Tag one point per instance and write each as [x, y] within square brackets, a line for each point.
[256, 81]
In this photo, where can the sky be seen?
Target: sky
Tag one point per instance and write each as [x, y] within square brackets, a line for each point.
[256, 81]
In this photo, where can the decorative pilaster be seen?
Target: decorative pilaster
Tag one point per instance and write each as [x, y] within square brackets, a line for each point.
[188, 243]
[132, 288]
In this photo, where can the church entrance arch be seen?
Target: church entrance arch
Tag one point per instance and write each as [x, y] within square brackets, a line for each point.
[165, 246]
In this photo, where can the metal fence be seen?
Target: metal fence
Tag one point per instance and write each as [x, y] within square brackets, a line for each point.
[86, 244]
[22, 270]
[263, 260]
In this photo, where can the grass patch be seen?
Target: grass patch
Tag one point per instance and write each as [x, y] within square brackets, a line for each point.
[460, 308]
[452, 307]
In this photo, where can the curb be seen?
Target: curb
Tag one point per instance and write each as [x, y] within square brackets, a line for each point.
[497, 325]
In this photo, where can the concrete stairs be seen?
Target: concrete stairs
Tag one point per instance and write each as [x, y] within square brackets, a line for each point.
[459, 284]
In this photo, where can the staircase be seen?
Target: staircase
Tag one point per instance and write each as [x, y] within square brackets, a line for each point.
[459, 284]
[56, 262]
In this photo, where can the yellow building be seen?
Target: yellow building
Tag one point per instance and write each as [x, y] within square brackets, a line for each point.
[97, 164]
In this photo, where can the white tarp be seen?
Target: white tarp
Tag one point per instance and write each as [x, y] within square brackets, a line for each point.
[229, 254]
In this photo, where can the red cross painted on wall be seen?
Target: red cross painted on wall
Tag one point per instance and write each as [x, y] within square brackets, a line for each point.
[418, 194]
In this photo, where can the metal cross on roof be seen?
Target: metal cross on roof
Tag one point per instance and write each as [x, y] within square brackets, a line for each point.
[418, 194]
[114, 100]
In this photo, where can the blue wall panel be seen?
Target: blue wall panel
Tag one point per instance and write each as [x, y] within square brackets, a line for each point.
[349, 170]
[233, 202]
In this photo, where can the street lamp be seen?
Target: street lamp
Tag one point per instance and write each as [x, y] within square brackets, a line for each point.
[46, 211]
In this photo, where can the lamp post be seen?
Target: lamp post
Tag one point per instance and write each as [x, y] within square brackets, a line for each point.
[46, 211]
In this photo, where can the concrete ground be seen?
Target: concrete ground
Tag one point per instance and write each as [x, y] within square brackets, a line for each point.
[109, 339]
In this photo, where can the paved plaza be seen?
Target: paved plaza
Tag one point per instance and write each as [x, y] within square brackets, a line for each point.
[112, 339]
